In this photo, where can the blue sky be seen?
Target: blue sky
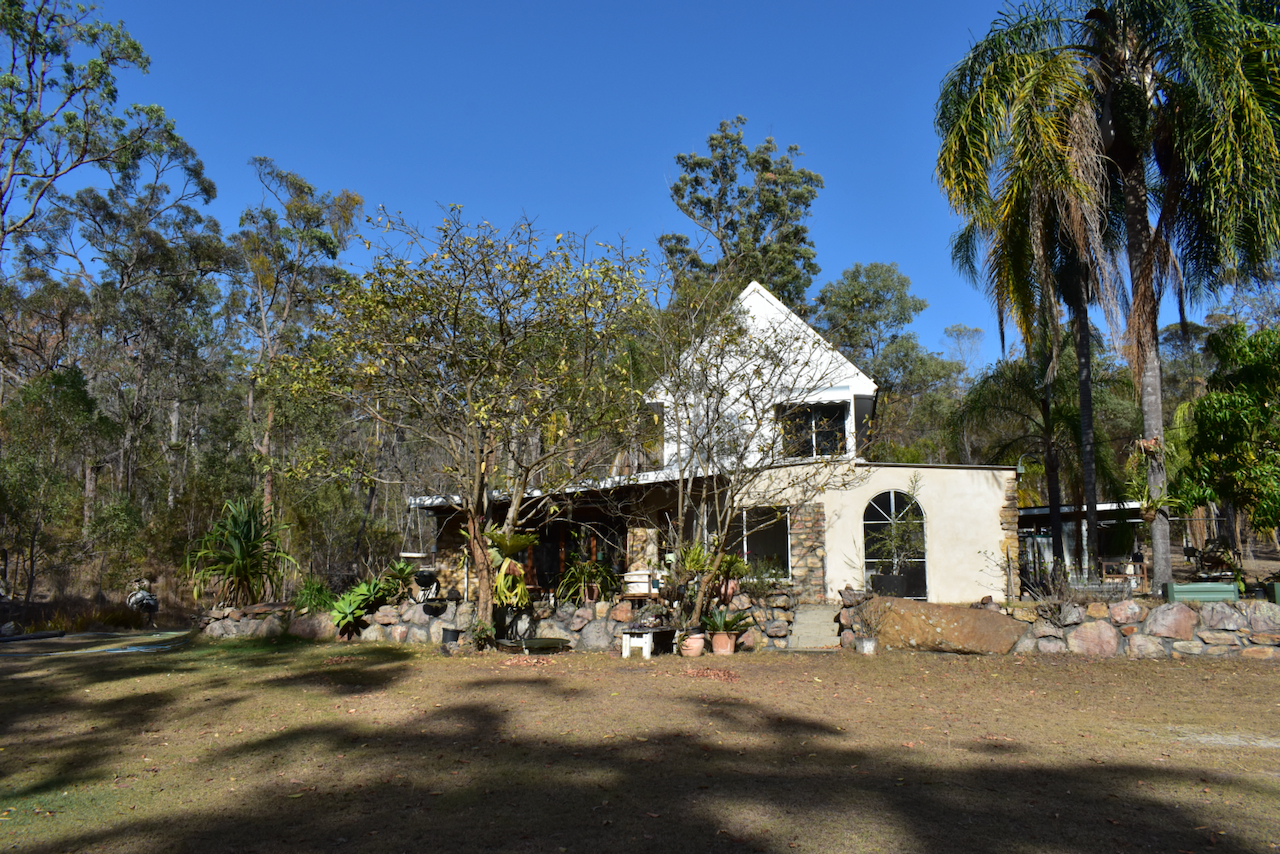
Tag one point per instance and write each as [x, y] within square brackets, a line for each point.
[572, 112]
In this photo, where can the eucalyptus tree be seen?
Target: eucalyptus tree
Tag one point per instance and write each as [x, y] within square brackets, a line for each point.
[1154, 118]
[58, 103]
[288, 247]
[750, 206]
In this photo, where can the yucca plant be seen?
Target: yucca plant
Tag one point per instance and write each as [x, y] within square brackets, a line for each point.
[240, 558]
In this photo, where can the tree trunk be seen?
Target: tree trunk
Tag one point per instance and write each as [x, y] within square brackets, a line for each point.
[483, 568]
[268, 476]
[171, 455]
[90, 495]
[1051, 476]
[1144, 345]
[1088, 459]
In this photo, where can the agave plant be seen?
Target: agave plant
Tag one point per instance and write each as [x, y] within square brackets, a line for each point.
[240, 558]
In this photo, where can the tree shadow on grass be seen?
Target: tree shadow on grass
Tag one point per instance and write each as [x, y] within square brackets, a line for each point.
[467, 777]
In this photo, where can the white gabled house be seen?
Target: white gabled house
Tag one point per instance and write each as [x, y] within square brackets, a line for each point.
[765, 399]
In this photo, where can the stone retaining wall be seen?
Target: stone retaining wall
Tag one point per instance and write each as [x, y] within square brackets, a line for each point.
[1247, 629]
[595, 627]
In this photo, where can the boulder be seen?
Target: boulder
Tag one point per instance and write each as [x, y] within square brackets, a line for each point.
[549, 629]
[1215, 636]
[1262, 653]
[909, 624]
[777, 629]
[220, 629]
[1025, 645]
[1096, 638]
[749, 640]
[565, 611]
[580, 618]
[846, 638]
[374, 632]
[387, 615]
[1045, 629]
[1051, 645]
[1221, 615]
[845, 618]
[416, 634]
[850, 597]
[1097, 611]
[740, 602]
[1188, 647]
[1263, 616]
[1145, 646]
[270, 627]
[1072, 614]
[1265, 639]
[1128, 611]
[399, 633]
[782, 600]
[621, 612]
[1174, 620]
[417, 616]
[313, 627]
[595, 636]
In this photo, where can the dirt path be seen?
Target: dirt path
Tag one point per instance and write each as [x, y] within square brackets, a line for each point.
[278, 747]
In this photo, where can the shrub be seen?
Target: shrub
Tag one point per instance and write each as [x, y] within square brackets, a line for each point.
[240, 558]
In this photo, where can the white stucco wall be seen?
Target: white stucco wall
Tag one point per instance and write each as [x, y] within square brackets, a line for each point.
[963, 538]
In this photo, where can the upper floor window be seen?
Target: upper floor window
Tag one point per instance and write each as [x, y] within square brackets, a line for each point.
[813, 429]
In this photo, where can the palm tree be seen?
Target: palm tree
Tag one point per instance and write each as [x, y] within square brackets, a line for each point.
[1105, 114]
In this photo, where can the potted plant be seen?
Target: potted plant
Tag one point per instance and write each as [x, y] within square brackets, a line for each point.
[693, 642]
[724, 629]
[866, 629]
[586, 581]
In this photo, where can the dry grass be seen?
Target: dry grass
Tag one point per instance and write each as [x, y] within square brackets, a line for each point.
[279, 747]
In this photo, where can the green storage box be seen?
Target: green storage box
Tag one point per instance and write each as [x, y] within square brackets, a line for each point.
[1202, 591]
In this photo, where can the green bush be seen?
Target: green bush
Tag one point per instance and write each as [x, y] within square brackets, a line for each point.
[240, 558]
[314, 595]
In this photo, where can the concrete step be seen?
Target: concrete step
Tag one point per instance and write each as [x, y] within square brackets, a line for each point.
[815, 627]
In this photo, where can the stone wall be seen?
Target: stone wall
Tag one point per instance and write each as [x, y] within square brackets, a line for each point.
[595, 627]
[808, 524]
[1247, 629]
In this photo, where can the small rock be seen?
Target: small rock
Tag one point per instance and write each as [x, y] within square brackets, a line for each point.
[845, 618]
[1046, 629]
[777, 629]
[1212, 636]
[400, 633]
[1174, 620]
[417, 616]
[782, 600]
[1266, 639]
[1052, 645]
[785, 616]
[1098, 611]
[1130, 629]
[387, 615]
[235, 615]
[1220, 649]
[1024, 615]
[1128, 611]
[748, 640]
[601, 610]
[271, 627]
[846, 637]
[740, 602]
[565, 611]
[850, 597]
[1097, 638]
[779, 643]
[416, 634]
[313, 627]
[621, 612]
[375, 632]
[1188, 647]
[1262, 653]
[1145, 646]
[217, 613]
[216, 629]
[543, 612]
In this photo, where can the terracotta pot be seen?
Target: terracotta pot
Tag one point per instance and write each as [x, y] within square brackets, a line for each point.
[692, 646]
[722, 643]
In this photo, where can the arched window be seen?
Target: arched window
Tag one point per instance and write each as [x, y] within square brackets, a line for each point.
[893, 536]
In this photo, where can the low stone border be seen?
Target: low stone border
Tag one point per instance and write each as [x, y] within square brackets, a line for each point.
[595, 627]
[1247, 629]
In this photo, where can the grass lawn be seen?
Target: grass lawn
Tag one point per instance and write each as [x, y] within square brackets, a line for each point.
[279, 746]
